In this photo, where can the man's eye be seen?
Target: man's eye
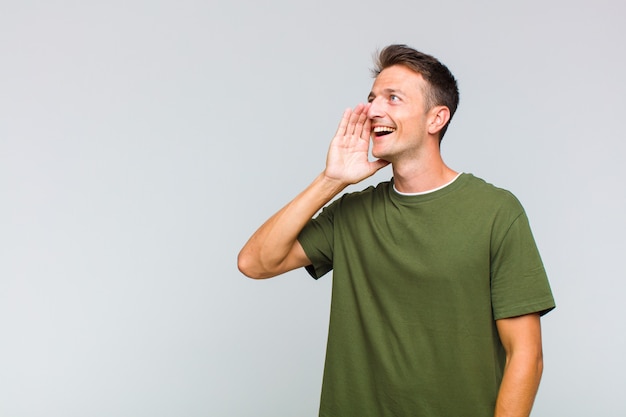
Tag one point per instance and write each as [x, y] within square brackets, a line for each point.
[394, 98]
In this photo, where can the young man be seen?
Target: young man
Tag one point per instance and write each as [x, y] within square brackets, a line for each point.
[437, 282]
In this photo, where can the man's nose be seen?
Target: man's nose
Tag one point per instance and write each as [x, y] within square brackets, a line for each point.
[375, 110]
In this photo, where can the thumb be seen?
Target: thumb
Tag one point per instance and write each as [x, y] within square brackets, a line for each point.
[379, 164]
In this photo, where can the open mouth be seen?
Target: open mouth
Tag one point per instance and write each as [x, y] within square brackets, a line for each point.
[382, 131]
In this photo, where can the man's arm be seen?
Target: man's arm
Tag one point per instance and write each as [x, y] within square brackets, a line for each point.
[521, 338]
[274, 248]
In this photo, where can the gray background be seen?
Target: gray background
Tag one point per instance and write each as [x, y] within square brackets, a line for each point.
[142, 142]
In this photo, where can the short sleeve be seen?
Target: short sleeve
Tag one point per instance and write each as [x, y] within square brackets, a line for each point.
[317, 241]
[519, 284]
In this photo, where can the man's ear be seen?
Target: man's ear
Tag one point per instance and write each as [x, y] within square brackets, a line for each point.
[438, 116]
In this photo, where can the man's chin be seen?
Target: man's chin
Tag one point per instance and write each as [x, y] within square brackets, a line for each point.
[379, 154]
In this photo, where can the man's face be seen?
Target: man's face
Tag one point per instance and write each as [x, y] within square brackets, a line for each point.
[397, 113]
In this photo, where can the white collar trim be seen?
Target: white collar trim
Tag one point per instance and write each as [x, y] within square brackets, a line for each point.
[429, 191]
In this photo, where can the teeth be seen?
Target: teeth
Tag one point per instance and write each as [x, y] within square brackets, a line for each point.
[379, 129]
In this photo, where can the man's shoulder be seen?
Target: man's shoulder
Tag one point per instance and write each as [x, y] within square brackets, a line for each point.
[372, 191]
[481, 189]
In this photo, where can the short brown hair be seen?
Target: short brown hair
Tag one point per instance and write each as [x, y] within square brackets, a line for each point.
[443, 89]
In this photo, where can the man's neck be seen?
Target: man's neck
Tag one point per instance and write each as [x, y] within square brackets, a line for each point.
[422, 175]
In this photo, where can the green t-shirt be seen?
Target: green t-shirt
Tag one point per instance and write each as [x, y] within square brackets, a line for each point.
[418, 282]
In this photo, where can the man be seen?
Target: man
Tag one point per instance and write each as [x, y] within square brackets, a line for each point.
[438, 286]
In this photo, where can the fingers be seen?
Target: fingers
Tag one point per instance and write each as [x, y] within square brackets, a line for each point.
[343, 124]
[366, 131]
[353, 122]
[357, 120]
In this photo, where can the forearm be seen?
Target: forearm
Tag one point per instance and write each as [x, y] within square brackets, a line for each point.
[267, 252]
[519, 385]
[273, 249]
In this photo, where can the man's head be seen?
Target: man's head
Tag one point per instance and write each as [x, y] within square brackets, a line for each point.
[441, 87]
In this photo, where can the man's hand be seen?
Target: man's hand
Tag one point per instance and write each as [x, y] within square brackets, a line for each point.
[274, 248]
[347, 160]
